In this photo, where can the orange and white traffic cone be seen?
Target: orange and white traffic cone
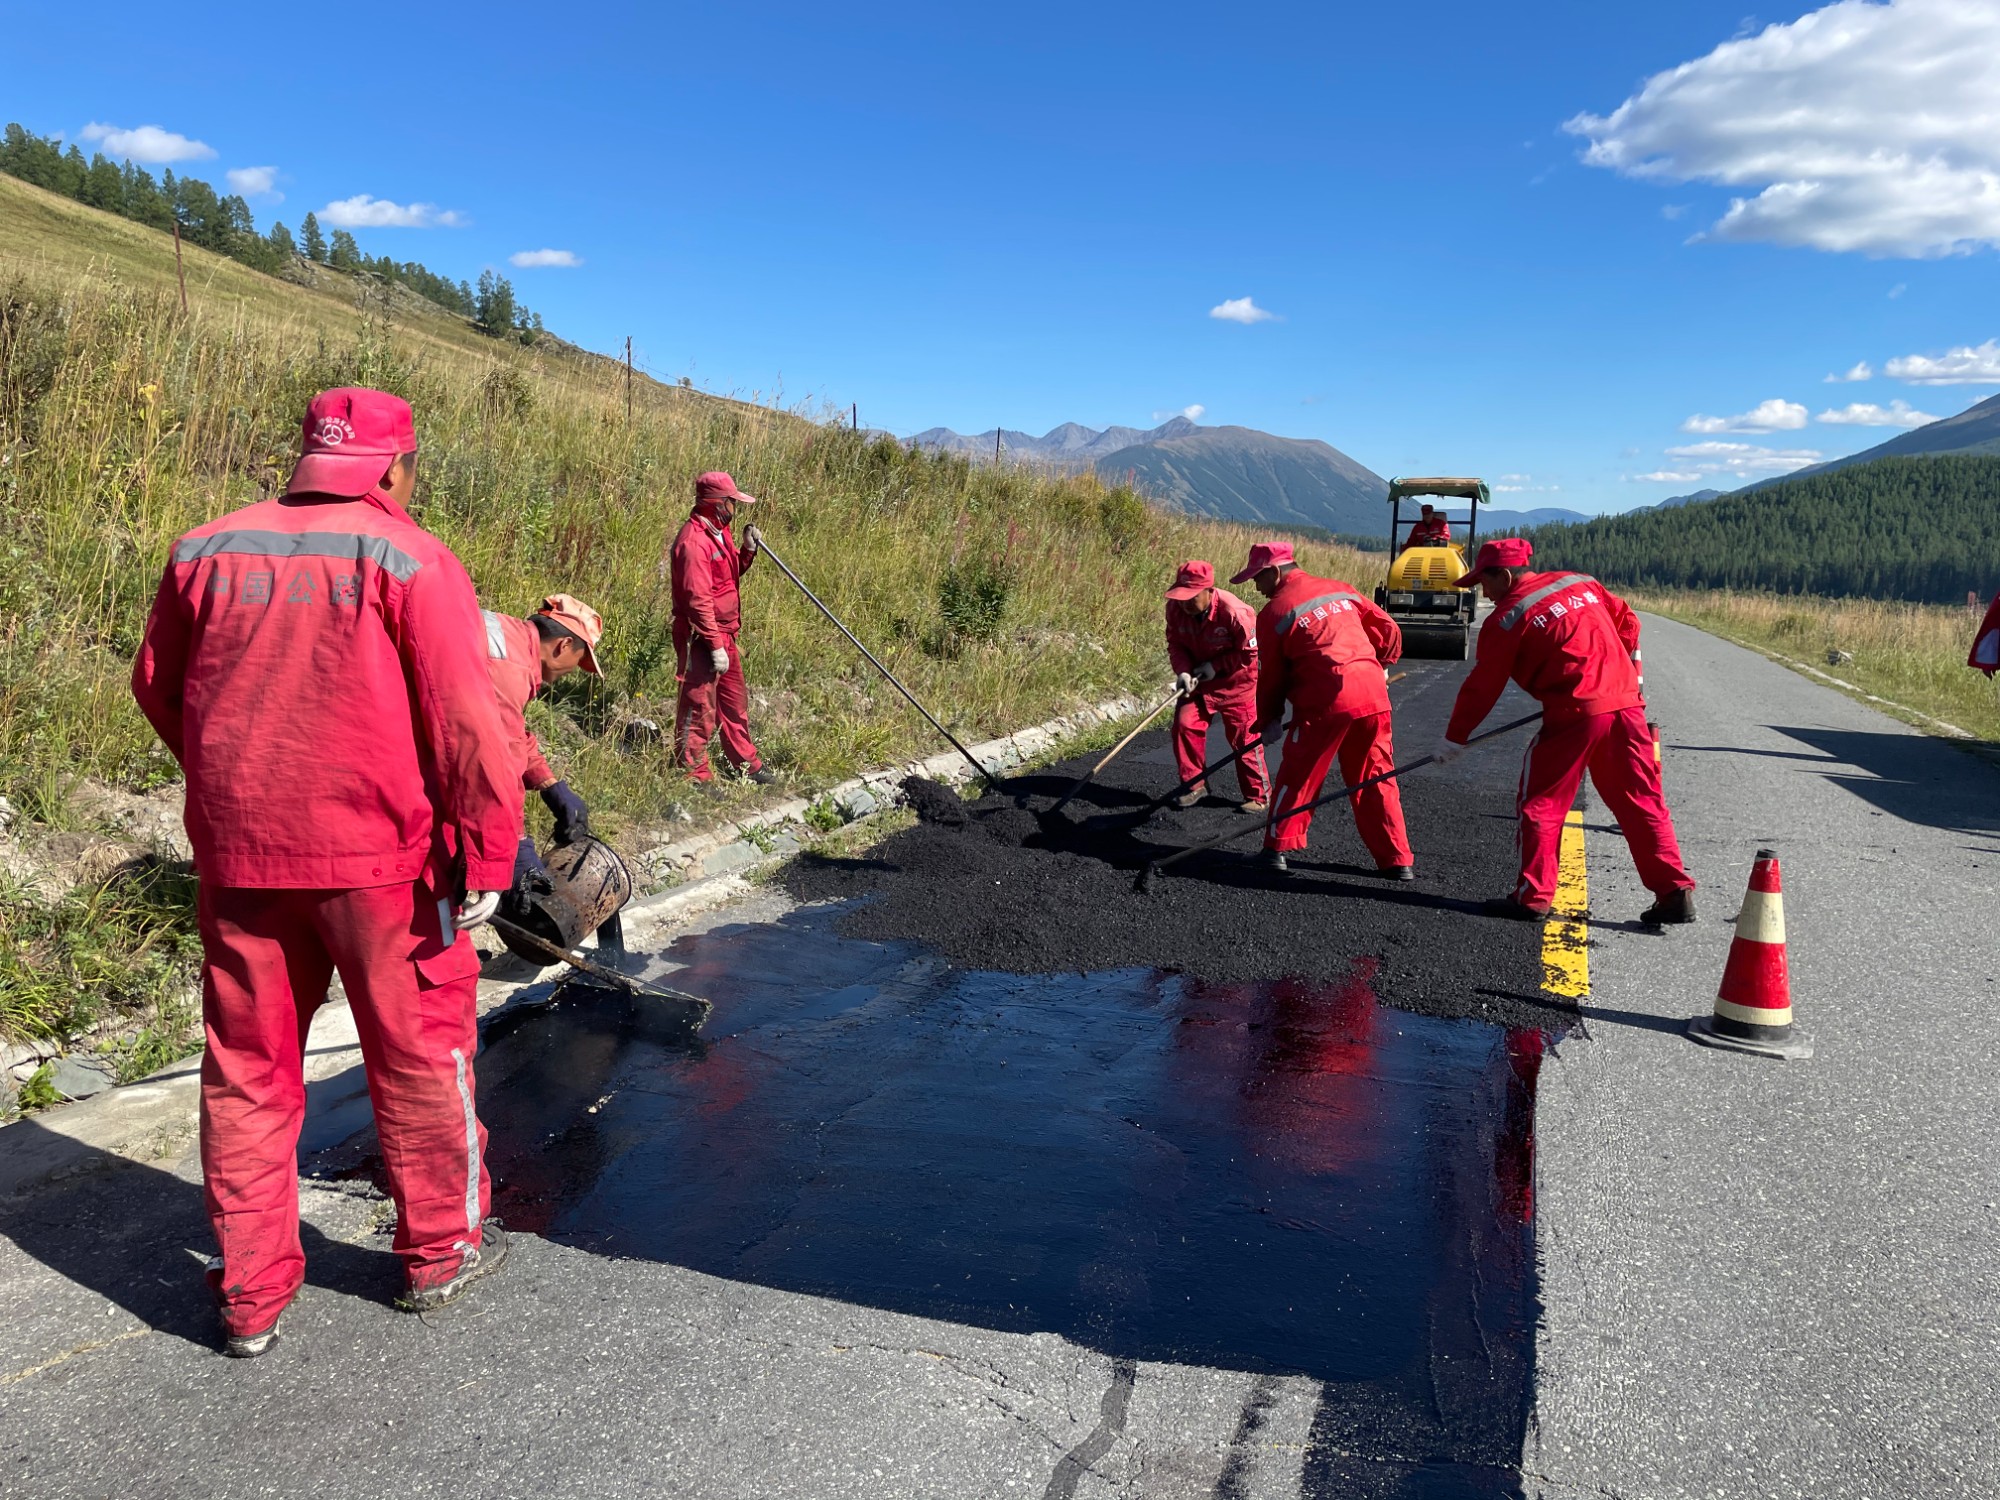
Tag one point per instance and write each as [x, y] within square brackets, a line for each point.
[1753, 1008]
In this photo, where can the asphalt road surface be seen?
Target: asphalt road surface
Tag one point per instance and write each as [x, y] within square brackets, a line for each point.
[895, 1226]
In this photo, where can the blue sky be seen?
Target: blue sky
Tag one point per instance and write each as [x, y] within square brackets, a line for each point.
[960, 217]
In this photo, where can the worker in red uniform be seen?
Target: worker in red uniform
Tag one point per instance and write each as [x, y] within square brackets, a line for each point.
[705, 565]
[1212, 647]
[1985, 653]
[1322, 647]
[1573, 645]
[1430, 529]
[313, 662]
[522, 658]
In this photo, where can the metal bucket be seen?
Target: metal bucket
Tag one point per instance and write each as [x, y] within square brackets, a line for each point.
[591, 886]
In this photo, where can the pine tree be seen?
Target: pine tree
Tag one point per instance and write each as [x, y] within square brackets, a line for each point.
[282, 244]
[345, 255]
[493, 306]
[104, 185]
[314, 241]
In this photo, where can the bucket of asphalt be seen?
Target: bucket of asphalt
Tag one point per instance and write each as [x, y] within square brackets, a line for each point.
[590, 886]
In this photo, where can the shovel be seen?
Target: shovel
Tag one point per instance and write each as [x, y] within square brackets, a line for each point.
[696, 1009]
[1145, 881]
[1085, 779]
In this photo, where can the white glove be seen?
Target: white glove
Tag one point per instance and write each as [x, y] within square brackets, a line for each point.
[718, 658]
[1447, 751]
[753, 538]
[1184, 684]
[477, 907]
[1205, 672]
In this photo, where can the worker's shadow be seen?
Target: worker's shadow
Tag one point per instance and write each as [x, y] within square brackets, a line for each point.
[139, 1236]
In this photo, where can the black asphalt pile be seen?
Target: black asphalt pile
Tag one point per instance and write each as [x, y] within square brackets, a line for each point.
[999, 883]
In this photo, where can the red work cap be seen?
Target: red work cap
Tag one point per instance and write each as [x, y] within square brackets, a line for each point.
[716, 485]
[1501, 552]
[1264, 555]
[581, 621]
[351, 436]
[1194, 576]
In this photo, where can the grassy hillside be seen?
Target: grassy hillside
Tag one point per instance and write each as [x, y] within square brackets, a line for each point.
[1001, 596]
[1924, 530]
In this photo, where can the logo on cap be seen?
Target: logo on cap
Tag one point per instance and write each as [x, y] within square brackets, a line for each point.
[332, 431]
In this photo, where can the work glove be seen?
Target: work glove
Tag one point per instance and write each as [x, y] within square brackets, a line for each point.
[477, 907]
[572, 817]
[1205, 672]
[1446, 752]
[718, 658]
[1184, 684]
[531, 879]
[753, 538]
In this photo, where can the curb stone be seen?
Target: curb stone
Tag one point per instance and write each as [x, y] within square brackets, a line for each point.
[155, 1117]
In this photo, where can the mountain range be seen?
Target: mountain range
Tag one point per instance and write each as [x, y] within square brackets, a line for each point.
[1976, 430]
[1227, 473]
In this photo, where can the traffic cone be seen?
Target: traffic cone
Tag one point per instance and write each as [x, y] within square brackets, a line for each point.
[1753, 1007]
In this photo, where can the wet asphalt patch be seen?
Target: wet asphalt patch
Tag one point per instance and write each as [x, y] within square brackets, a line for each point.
[999, 883]
[1273, 1176]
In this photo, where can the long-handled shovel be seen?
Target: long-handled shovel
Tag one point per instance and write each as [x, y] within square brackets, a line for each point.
[1145, 881]
[1085, 779]
[978, 770]
[698, 1007]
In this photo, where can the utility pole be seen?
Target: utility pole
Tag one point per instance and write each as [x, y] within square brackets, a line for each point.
[996, 446]
[857, 416]
[628, 380]
[180, 273]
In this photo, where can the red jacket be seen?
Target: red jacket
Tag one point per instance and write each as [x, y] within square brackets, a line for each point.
[705, 564]
[315, 666]
[1323, 645]
[1566, 639]
[1226, 636]
[1985, 653]
[514, 662]
[1435, 533]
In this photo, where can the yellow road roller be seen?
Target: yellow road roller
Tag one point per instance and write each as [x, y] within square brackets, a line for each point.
[1436, 619]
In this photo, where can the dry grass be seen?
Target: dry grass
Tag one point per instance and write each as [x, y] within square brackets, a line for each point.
[1912, 654]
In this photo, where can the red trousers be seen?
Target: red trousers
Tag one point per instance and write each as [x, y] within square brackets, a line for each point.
[1366, 749]
[267, 956]
[1617, 749]
[708, 702]
[1238, 710]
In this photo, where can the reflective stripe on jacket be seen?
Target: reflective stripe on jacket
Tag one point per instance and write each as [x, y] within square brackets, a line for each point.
[316, 666]
[514, 662]
[1568, 641]
[1321, 646]
[1226, 636]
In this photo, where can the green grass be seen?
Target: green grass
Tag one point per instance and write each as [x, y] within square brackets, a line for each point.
[1912, 654]
[1001, 597]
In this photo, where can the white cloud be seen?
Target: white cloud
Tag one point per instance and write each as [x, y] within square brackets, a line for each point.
[1859, 370]
[1767, 416]
[1192, 413]
[1969, 364]
[148, 143]
[1743, 460]
[1522, 484]
[1672, 211]
[1667, 476]
[1898, 413]
[530, 259]
[1241, 310]
[255, 182]
[364, 211]
[1898, 289]
[1863, 127]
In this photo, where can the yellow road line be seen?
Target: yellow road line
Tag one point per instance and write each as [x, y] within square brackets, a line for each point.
[1565, 950]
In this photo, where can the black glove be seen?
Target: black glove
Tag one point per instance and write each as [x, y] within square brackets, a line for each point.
[531, 879]
[572, 817]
